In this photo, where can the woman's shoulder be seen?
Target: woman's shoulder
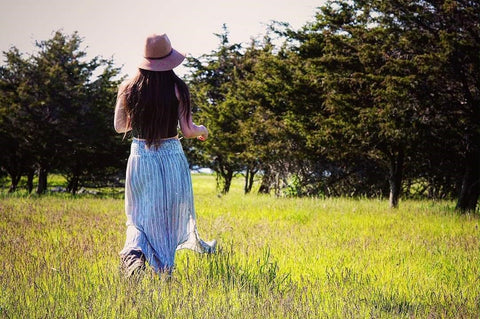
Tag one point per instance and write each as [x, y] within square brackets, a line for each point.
[125, 83]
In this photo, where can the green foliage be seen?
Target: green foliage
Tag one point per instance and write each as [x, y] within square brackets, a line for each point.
[278, 258]
[371, 97]
[57, 115]
[213, 88]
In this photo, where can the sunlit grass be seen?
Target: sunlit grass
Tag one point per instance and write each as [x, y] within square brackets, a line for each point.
[278, 258]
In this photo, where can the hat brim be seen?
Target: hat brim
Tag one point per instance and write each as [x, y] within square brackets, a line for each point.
[173, 60]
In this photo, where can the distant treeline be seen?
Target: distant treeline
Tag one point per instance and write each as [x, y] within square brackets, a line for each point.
[372, 98]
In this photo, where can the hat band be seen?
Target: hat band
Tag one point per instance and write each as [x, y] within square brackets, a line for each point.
[163, 57]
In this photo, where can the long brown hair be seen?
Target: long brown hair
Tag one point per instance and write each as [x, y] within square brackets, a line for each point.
[152, 104]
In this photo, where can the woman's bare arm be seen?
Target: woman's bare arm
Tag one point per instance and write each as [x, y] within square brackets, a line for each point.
[120, 123]
[188, 128]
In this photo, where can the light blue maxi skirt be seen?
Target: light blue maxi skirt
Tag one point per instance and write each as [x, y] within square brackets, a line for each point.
[159, 204]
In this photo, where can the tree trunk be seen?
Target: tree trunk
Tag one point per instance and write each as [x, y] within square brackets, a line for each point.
[42, 180]
[249, 180]
[266, 183]
[470, 189]
[227, 181]
[73, 185]
[30, 175]
[15, 178]
[395, 178]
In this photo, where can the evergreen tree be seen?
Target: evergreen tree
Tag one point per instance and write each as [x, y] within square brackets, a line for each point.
[401, 86]
[59, 118]
[16, 159]
[213, 86]
[446, 38]
[368, 93]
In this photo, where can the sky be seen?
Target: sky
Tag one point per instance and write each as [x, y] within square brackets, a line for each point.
[117, 28]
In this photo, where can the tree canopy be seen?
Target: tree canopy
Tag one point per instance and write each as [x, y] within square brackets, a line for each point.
[55, 115]
[373, 98]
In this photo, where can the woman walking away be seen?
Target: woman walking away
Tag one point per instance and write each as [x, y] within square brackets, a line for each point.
[158, 187]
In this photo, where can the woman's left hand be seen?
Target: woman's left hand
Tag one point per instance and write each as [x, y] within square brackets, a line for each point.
[204, 133]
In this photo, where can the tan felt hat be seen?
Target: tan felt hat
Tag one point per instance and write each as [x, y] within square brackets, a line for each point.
[159, 54]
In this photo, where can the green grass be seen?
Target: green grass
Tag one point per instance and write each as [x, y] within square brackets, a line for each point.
[278, 258]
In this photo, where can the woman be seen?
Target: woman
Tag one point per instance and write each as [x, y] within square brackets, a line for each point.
[158, 188]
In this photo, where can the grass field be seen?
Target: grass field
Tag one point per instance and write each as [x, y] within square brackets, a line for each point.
[278, 258]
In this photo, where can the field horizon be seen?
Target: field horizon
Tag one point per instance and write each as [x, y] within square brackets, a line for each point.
[277, 258]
